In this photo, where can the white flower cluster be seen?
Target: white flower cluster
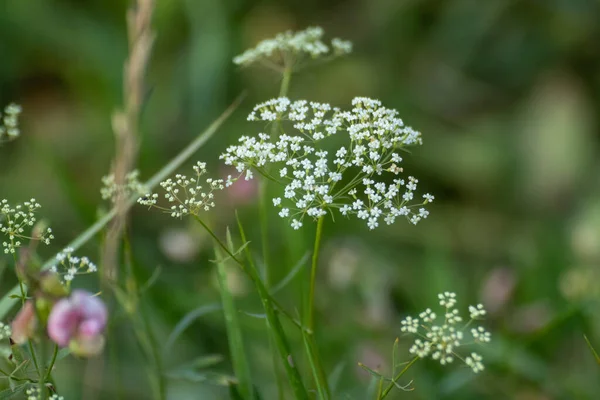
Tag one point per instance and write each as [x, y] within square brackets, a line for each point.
[441, 340]
[359, 178]
[293, 47]
[68, 266]
[15, 219]
[186, 194]
[33, 393]
[9, 128]
[132, 186]
[5, 331]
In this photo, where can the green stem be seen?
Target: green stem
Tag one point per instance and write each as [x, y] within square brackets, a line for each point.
[395, 379]
[48, 377]
[313, 276]
[264, 228]
[285, 82]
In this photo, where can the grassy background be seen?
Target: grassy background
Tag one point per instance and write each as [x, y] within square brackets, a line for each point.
[507, 95]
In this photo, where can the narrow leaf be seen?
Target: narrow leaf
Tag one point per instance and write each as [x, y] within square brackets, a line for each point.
[234, 332]
[596, 356]
[187, 320]
[292, 274]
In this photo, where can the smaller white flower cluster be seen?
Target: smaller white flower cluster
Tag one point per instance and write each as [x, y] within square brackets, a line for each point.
[132, 186]
[292, 47]
[5, 331]
[359, 178]
[442, 339]
[187, 195]
[68, 266]
[9, 128]
[15, 219]
[33, 393]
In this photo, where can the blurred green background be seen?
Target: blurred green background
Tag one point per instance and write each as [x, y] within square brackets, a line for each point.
[507, 95]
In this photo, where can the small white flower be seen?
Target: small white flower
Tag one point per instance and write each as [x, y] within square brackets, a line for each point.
[477, 311]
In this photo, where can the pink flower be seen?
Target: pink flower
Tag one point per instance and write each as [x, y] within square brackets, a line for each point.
[24, 324]
[78, 322]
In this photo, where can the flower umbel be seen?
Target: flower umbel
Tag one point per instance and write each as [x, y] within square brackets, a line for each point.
[441, 337]
[360, 178]
[9, 125]
[293, 48]
[186, 194]
[15, 219]
[69, 266]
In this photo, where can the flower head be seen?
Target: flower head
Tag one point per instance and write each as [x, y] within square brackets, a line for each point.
[441, 338]
[68, 266]
[15, 219]
[186, 194]
[9, 124]
[293, 47]
[78, 322]
[360, 178]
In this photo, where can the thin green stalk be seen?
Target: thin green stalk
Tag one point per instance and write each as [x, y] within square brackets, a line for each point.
[241, 367]
[264, 228]
[48, 376]
[313, 276]
[397, 377]
[7, 303]
[285, 81]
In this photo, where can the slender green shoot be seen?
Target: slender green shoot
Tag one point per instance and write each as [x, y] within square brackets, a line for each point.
[240, 363]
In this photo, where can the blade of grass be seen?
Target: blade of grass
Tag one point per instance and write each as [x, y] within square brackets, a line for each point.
[596, 356]
[187, 320]
[291, 275]
[7, 302]
[322, 388]
[234, 332]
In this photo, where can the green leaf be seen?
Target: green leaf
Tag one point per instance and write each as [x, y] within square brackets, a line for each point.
[292, 274]
[187, 320]
[234, 330]
[14, 390]
[18, 355]
[334, 377]
[210, 377]
[370, 371]
[596, 356]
